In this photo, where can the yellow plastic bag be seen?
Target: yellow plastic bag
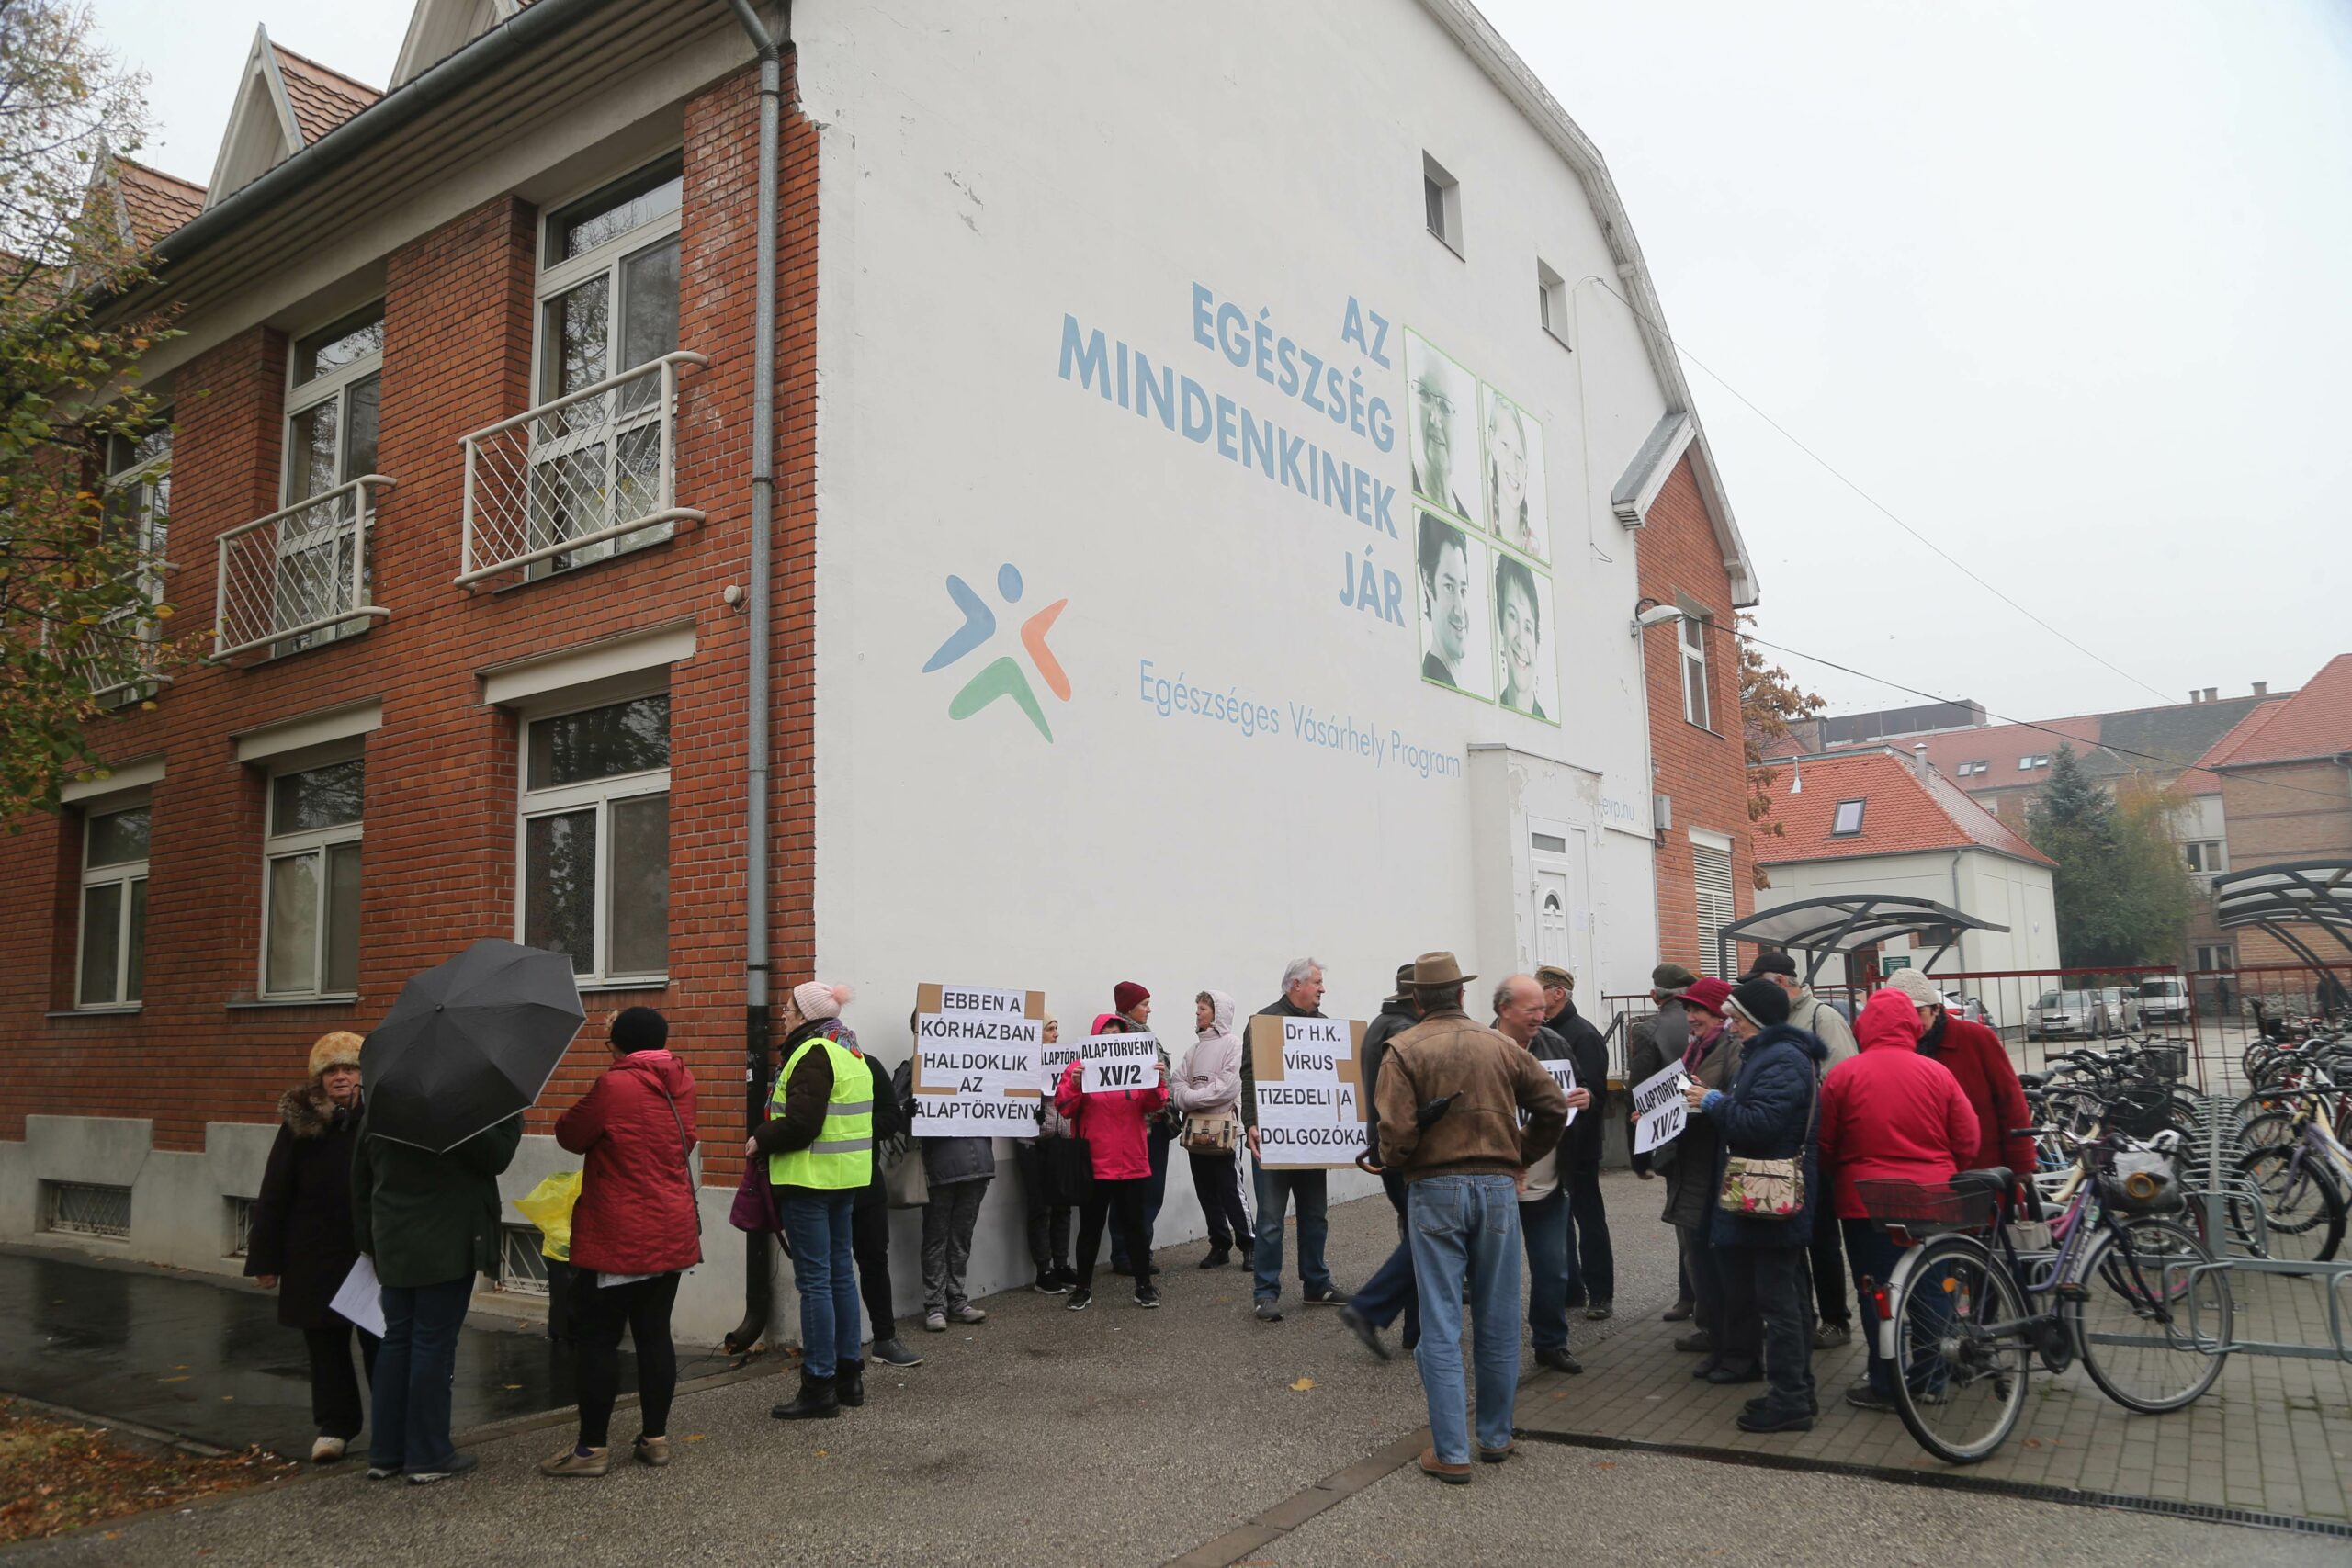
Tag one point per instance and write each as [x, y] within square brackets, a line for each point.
[549, 1206]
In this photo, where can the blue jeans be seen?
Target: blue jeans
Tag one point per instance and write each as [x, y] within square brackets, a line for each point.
[817, 1228]
[414, 1372]
[1551, 1264]
[1467, 1228]
[1276, 1190]
[1391, 1289]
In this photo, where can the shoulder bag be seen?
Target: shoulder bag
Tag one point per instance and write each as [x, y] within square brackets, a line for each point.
[1768, 1189]
[686, 1158]
[1211, 1132]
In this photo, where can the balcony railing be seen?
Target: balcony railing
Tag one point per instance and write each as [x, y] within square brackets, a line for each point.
[137, 623]
[564, 482]
[300, 575]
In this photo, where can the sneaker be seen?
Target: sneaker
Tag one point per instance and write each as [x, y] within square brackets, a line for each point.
[1049, 1284]
[963, 1312]
[1269, 1312]
[1768, 1420]
[1329, 1296]
[1828, 1336]
[894, 1352]
[456, 1465]
[1451, 1475]
[381, 1471]
[1862, 1396]
[1362, 1327]
[935, 1323]
[1218, 1258]
[1079, 1299]
[1600, 1312]
[326, 1451]
[578, 1462]
[1679, 1312]
[1146, 1295]
[654, 1451]
[1560, 1360]
[1698, 1342]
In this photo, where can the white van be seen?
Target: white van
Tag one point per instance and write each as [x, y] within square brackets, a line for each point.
[2163, 999]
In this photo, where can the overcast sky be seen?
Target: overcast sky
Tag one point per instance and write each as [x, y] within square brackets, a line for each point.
[2061, 286]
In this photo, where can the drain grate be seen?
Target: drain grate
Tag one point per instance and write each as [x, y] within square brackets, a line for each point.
[2203, 1512]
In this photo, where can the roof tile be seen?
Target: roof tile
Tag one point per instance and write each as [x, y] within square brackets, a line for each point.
[2314, 722]
[1906, 813]
[323, 97]
[157, 202]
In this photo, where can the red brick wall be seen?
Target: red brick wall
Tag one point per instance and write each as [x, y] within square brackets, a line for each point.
[2280, 814]
[1703, 770]
[438, 862]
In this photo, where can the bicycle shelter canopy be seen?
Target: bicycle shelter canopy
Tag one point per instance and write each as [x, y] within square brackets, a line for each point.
[1840, 924]
[2316, 893]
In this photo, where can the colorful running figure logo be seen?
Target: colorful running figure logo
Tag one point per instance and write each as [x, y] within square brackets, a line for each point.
[1002, 676]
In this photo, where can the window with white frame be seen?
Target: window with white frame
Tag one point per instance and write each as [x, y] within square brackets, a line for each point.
[2216, 956]
[596, 838]
[2207, 856]
[334, 384]
[112, 967]
[139, 501]
[1694, 672]
[609, 303]
[310, 882]
[1552, 301]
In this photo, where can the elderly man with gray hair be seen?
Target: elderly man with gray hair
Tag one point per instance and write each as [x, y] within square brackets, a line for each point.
[1302, 998]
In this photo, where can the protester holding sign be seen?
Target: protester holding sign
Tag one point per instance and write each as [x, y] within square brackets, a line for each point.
[1592, 1274]
[1133, 1004]
[1544, 1196]
[1277, 1187]
[1652, 1044]
[1111, 1122]
[1208, 1091]
[1047, 1221]
[958, 1171]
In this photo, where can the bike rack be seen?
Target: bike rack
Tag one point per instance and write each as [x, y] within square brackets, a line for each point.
[2216, 1183]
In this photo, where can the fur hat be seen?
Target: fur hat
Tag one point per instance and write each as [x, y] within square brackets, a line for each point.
[817, 999]
[340, 1049]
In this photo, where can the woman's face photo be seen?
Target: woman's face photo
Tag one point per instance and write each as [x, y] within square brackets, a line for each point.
[1513, 474]
[1517, 623]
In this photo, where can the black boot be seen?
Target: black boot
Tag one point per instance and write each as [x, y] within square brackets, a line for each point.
[849, 1384]
[816, 1402]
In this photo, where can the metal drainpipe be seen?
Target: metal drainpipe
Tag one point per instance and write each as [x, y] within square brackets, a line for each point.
[759, 1261]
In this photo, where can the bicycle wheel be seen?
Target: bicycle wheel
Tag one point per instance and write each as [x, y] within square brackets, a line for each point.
[2302, 1207]
[1963, 1350]
[2263, 1122]
[2153, 1335]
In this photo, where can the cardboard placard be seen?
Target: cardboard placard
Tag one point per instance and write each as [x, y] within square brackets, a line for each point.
[975, 1064]
[1309, 1086]
[1115, 1062]
[1659, 1109]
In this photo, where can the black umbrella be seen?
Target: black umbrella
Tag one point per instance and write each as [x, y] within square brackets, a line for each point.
[470, 1044]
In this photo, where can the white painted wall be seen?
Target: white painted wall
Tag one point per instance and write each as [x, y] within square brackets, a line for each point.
[1991, 886]
[1062, 159]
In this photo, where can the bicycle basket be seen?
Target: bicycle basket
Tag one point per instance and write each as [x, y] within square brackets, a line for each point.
[1915, 1206]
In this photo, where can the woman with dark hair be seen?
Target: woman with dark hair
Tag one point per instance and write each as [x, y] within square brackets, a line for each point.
[300, 1243]
[1519, 625]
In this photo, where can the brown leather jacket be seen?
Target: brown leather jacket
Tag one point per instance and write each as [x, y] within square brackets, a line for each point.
[1492, 1078]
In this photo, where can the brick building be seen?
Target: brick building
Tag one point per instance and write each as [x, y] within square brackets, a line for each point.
[459, 478]
[2285, 779]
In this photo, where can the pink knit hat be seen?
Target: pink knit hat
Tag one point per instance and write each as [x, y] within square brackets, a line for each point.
[819, 999]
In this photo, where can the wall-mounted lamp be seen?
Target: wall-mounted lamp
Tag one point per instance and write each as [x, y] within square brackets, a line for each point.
[1650, 613]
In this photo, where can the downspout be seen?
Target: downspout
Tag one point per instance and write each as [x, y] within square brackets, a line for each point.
[759, 1262]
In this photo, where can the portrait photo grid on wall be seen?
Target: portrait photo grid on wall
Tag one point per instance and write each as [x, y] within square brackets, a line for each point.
[1484, 586]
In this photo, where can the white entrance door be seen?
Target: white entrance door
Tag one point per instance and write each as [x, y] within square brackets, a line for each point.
[1562, 898]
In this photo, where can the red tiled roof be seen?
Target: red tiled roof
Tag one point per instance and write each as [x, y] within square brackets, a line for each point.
[2314, 722]
[1906, 812]
[323, 97]
[2001, 745]
[157, 202]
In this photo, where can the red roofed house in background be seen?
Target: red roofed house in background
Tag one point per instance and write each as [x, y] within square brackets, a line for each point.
[2285, 776]
[1877, 821]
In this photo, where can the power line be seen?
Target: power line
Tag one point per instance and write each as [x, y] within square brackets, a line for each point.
[2017, 722]
[1879, 506]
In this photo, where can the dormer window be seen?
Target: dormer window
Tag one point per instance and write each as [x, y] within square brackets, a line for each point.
[1848, 823]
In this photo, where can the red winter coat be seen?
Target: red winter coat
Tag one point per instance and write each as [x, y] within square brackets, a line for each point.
[1113, 1124]
[1888, 1113]
[636, 1210]
[1975, 1055]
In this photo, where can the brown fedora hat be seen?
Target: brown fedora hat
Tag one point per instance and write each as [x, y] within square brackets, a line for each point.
[1437, 972]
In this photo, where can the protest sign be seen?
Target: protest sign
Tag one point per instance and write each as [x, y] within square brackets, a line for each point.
[1659, 1109]
[1115, 1062]
[1309, 1088]
[975, 1061]
[1565, 1074]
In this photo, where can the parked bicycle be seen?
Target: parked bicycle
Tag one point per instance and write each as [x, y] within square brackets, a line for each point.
[2300, 1169]
[2108, 1282]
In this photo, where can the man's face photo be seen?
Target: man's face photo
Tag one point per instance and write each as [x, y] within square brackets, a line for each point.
[1457, 639]
[1450, 603]
[1445, 435]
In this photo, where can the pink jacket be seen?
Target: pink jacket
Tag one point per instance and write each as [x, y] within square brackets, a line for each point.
[1112, 1125]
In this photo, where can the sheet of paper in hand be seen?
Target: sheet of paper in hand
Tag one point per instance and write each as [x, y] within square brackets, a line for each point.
[1310, 1091]
[1659, 1109]
[1565, 1074]
[1113, 1062]
[975, 1061]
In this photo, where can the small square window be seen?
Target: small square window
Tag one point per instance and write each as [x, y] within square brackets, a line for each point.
[1551, 303]
[1441, 203]
[1849, 820]
[2025, 765]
